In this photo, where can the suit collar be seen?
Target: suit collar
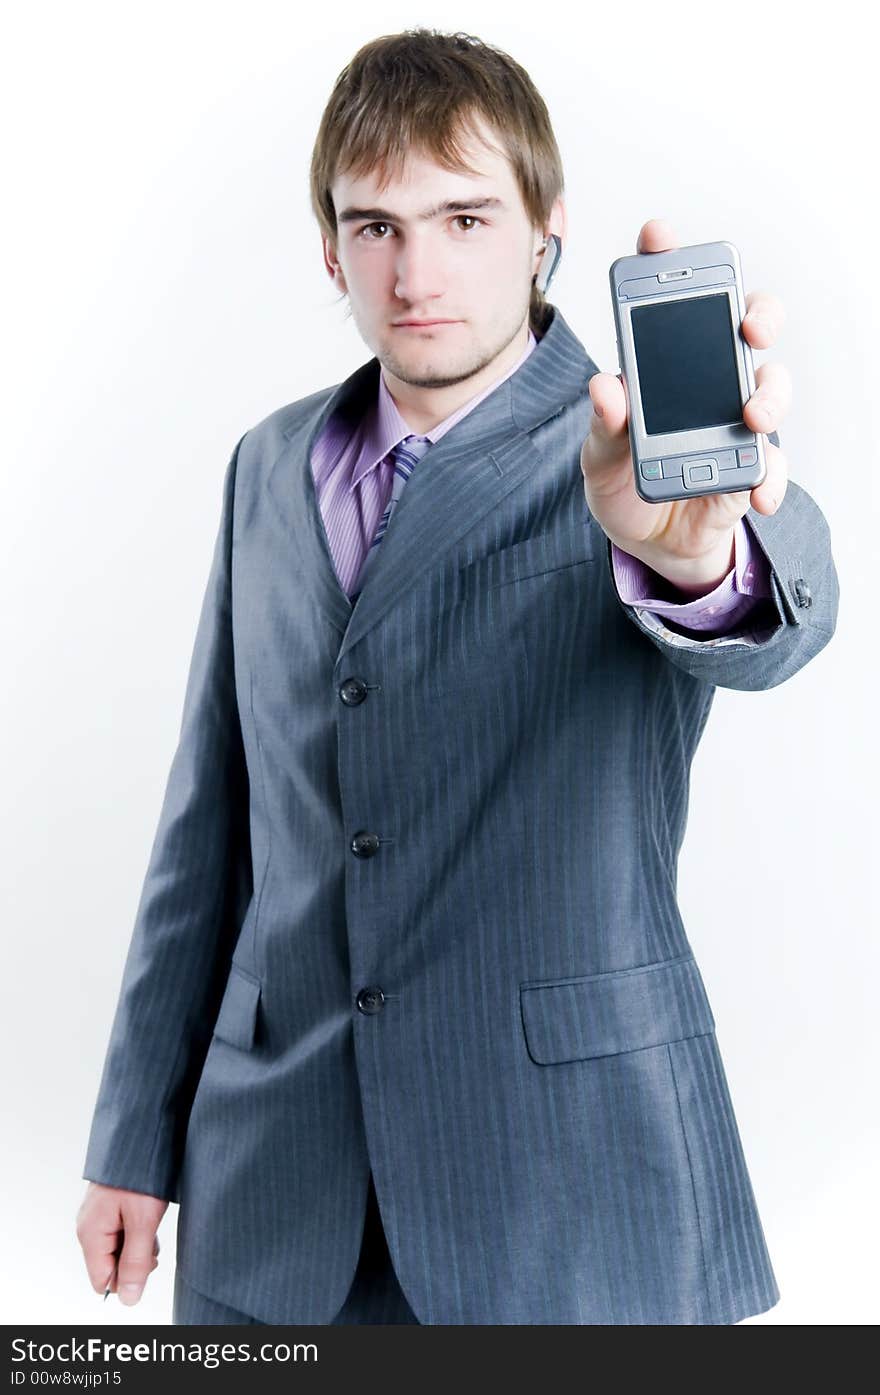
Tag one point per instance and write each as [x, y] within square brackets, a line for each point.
[473, 467]
[384, 427]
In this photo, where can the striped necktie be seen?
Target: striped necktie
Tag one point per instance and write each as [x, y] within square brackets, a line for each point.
[399, 464]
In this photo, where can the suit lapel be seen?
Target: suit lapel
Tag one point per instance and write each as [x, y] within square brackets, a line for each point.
[468, 473]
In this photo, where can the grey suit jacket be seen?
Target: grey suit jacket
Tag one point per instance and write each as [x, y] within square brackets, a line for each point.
[411, 903]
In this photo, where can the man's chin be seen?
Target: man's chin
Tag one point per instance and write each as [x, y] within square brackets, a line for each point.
[430, 369]
[431, 378]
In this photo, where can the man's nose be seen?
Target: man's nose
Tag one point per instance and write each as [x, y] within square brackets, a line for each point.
[419, 276]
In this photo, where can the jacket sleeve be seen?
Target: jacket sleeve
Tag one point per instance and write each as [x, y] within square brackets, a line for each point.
[783, 632]
[198, 884]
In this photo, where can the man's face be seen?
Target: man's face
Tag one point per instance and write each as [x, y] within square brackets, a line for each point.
[400, 255]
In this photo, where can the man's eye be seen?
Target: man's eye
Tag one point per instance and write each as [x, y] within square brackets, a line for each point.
[470, 217]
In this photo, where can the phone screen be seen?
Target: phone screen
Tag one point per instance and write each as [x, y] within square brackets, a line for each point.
[686, 359]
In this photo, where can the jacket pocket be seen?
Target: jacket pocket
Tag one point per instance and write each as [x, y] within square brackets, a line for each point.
[574, 1019]
[237, 1019]
[541, 555]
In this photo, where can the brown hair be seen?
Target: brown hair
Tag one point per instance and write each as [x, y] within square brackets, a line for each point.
[419, 91]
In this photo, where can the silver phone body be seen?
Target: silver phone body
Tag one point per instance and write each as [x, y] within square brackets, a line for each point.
[687, 371]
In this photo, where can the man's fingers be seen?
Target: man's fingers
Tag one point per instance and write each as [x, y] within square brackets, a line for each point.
[764, 318]
[767, 497]
[770, 402]
[99, 1237]
[100, 1256]
[112, 1285]
[608, 441]
[657, 236]
[138, 1259]
[608, 396]
[117, 1232]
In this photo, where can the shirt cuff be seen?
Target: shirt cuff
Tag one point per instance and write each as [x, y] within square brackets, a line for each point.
[719, 610]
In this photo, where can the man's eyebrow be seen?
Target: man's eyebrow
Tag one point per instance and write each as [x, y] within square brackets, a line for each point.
[354, 215]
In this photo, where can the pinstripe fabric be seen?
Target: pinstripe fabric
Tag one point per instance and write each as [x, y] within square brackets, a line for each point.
[375, 1296]
[540, 1094]
[373, 1300]
[347, 459]
[352, 481]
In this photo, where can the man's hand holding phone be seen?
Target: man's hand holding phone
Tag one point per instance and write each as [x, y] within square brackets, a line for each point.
[688, 541]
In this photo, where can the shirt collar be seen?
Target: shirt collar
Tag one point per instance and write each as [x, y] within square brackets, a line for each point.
[383, 427]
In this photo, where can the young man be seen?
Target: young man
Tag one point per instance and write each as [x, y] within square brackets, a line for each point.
[410, 1024]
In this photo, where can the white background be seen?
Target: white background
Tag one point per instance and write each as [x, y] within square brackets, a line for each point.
[164, 291]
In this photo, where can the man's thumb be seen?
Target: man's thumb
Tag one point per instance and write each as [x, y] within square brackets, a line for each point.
[138, 1259]
[609, 401]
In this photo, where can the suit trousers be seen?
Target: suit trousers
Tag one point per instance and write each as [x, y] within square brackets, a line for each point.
[375, 1295]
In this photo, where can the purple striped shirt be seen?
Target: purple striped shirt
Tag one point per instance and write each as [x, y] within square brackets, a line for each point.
[345, 468]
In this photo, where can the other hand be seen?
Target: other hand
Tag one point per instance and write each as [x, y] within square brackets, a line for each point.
[117, 1232]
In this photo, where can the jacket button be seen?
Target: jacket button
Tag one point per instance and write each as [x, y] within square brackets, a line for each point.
[353, 691]
[370, 999]
[365, 844]
[803, 592]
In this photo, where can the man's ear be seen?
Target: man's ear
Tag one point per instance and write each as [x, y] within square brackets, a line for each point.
[331, 262]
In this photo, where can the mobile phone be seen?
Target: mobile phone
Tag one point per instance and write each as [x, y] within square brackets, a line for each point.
[687, 371]
[549, 262]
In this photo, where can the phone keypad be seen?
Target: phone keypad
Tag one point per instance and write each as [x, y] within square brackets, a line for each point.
[695, 472]
[673, 469]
